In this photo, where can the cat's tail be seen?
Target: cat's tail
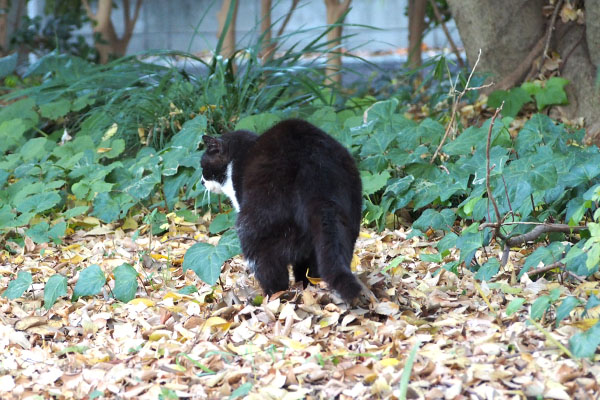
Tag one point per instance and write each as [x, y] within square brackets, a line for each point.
[333, 241]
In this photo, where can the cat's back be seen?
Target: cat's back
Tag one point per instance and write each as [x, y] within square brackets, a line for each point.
[298, 141]
[296, 158]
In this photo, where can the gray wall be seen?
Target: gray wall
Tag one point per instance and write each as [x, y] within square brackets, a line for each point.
[178, 24]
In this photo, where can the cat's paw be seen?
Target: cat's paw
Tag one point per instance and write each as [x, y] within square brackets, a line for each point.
[364, 299]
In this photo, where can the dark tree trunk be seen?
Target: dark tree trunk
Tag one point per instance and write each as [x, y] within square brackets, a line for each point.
[512, 38]
[416, 27]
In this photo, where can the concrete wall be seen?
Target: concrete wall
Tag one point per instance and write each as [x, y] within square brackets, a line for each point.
[179, 24]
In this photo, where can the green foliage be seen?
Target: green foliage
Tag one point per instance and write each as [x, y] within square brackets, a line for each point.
[206, 260]
[18, 286]
[584, 344]
[514, 305]
[551, 92]
[126, 283]
[90, 282]
[54, 288]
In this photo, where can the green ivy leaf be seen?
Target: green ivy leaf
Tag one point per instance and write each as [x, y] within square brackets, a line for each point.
[222, 222]
[468, 243]
[39, 202]
[18, 286]
[241, 391]
[11, 134]
[54, 288]
[42, 233]
[514, 99]
[373, 182]
[436, 220]
[206, 260]
[552, 93]
[565, 308]
[75, 211]
[447, 242]
[189, 289]
[434, 257]
[126, 283]
[585, 344]
[111, 206]
[55, 109]
[514, 305]
[540, 306]
[39, 232]
[90, 282]
[488, 270]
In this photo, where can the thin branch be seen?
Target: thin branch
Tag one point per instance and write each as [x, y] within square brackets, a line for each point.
[539, 230]
[551, 28]
[287, 17]
[440, 20]
[487, 172]
[512, 213]
[545, 268]
[455, 104]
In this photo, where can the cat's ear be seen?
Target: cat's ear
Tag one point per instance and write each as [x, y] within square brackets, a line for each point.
[213, 145]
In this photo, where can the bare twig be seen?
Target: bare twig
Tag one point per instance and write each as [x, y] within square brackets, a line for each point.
[487, 173]
[455, 103]
[551, 28]
[287, 17]
[440, 20]
[545, 268]
[539, 230]
[512, 213]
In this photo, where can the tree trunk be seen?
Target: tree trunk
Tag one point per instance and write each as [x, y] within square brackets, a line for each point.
[416, 27]
[228, 45]
[265, 29]
[109, 43]
[513, 36]
[3, 26]
[335, 10]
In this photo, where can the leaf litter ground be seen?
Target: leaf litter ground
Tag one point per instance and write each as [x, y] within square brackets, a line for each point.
[221, 342]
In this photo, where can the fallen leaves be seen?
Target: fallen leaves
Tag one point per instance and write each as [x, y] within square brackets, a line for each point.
[229, 341]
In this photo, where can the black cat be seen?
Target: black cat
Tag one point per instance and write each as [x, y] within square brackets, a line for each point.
[298, 194]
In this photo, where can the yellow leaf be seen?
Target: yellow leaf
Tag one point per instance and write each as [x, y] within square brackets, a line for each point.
[91, 221]
[72, 246]
[291, 343]
[130, 224]
[365, 235]
[142, 134]
[389, 362]
[110, 132]
[142, 300]
[172, 295]
[218, 323]
[158, 256]
[159, 334]
[585, 324]
[314, 281]
[103, 150]
[355, 262]
[76, 259]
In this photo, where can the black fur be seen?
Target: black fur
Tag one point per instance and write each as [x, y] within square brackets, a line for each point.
[299, 194]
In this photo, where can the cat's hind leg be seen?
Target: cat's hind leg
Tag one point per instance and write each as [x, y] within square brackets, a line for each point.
[334, 243]
[307, 266]
[270, 269]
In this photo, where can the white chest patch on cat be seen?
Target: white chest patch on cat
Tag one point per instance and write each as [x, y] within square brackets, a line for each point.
[225, 188]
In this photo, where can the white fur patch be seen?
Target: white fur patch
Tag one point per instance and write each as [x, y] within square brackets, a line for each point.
[226, 188]
[251, 265]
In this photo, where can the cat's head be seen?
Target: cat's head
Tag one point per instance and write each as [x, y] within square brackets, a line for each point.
[214, 164]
